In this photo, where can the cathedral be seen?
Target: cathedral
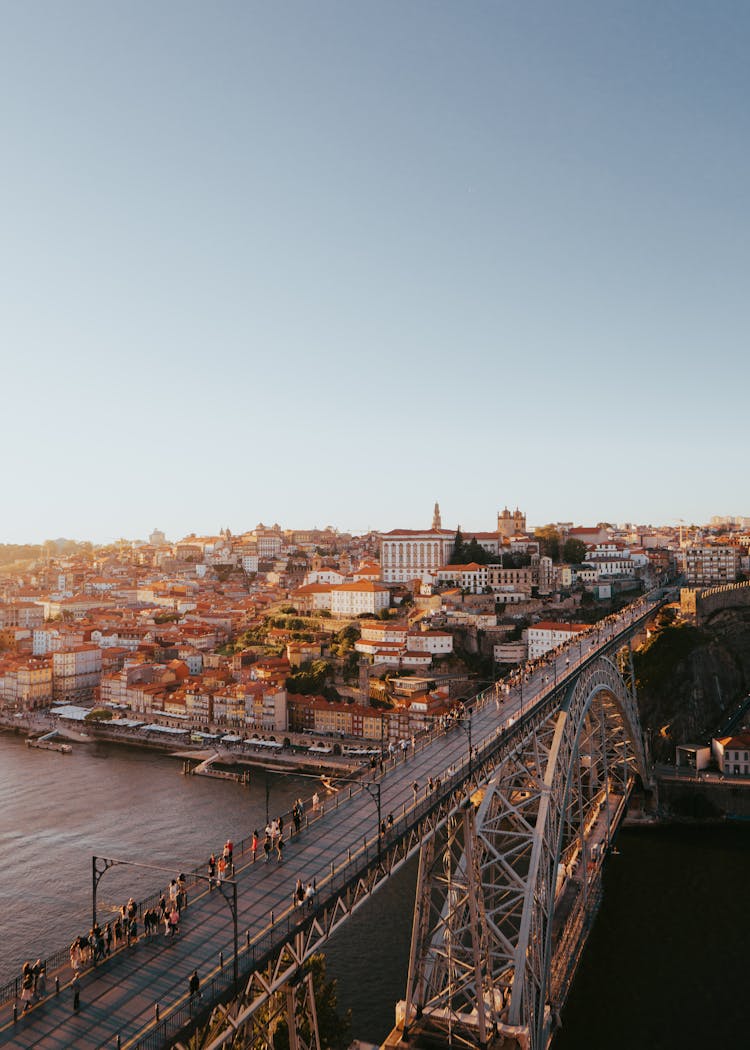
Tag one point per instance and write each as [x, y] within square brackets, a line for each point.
[511, 524]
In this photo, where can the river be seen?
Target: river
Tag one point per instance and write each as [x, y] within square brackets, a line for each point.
[664, 968]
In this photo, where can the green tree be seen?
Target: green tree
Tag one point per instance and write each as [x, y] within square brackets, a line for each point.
[98, 714]
[457, 554]
[549, 541]
[574, 551]
[334, 1028]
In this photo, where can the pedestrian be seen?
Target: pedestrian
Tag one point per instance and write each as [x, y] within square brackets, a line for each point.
[254, 845]
[194, 985]
[174, 922]
[41, 982]
[76, 992]
[390, 820]
[315, 801]
[267, 846]
[415, 789]
[108, 938]
[222, 866]
[299, 894]
[182, 891]
[211, 871]
[27, 990]
[279, 849]
[309, 895]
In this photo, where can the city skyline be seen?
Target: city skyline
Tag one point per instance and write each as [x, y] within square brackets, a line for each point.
[328, 264]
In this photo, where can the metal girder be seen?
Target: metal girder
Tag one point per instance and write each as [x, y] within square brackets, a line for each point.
[536, 845]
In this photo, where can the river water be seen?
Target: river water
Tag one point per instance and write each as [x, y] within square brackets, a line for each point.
[665, 967]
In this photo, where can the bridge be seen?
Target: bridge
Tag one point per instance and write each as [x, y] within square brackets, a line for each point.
[511, 809]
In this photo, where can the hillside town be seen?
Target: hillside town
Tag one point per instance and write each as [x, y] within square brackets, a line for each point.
[312, 631]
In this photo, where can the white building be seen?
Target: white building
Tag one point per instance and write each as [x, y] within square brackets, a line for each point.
[547, 635]
[471, 578]
[413, 554]
[732, 754]
[360, 596]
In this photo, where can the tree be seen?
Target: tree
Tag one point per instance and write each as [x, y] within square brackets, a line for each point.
[549, 541]
[458, 548]
[334, 1029]
[98, 714]
[574, 551]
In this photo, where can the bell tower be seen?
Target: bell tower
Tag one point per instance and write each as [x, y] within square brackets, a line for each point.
[436, 523]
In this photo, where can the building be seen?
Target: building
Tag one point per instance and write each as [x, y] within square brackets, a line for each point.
[706, 566]
[511, 524]
[413, 554]
[732, 754]
[76, 673]
[547, 635]
[21, 614]
[471, 578]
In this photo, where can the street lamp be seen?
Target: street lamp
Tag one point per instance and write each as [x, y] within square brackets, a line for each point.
[371, 787]
[464, 722]
[101, 865]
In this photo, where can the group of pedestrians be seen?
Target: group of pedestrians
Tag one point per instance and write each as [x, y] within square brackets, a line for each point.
[273, 839]
[223, 868]
[33, 983]
[303, 895]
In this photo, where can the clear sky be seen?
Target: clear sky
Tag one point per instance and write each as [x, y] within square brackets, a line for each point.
[325, 263]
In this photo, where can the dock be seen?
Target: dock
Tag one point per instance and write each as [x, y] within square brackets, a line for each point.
[49, 742]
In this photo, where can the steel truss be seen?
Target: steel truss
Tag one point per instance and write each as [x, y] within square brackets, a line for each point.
[517, 879]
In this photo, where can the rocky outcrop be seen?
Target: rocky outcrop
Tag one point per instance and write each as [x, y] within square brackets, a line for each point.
[688, 677]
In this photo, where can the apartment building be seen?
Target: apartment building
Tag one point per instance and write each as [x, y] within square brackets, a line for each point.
[710, 565]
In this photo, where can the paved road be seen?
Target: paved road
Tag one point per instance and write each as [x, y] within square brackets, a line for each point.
[119, 997]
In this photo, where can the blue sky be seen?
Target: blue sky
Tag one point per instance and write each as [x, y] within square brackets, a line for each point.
[327, 263]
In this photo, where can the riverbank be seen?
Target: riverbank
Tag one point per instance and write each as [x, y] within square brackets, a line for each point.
[241, 755]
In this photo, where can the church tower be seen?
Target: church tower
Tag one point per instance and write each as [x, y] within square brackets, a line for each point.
[436, 524]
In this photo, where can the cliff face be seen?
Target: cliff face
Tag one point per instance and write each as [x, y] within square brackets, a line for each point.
[687, 678]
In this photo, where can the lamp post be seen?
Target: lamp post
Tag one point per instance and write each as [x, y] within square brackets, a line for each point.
[371, 787]
[464, 722]
[101, 865]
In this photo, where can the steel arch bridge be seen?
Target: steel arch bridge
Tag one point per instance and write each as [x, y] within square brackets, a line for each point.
[504, 905]
[512, 838]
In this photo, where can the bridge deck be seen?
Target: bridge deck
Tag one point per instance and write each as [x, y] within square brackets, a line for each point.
[119, 996]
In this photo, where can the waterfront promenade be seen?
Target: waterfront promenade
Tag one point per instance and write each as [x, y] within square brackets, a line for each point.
[119, 1000]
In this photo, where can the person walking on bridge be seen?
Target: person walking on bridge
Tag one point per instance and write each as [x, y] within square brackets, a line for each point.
[194, 985]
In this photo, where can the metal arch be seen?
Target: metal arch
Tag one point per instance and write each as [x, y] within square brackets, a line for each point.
[552, 761]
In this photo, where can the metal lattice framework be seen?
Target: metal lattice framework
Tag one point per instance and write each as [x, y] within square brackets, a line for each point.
[503, 907]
